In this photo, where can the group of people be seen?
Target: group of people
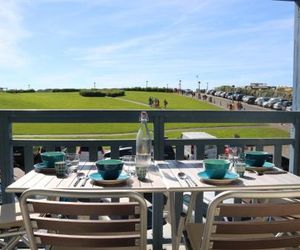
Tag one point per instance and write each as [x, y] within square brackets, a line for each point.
[235, 106]
[154, 102]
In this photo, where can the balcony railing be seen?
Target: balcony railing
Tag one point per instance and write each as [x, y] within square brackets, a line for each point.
[158, 117]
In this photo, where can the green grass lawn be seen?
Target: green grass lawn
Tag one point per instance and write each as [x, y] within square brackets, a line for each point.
[132, 100]
[72, 100]
[259, 132]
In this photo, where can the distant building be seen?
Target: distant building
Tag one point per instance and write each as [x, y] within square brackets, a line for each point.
[258, 85]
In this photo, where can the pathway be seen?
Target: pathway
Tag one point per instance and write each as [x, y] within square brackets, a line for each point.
[126, 100]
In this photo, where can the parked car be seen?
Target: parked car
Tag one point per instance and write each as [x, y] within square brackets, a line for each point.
[228, 94]
[223, 94]
[239, 97]
[287, 104]
[260, 100]
[271, 102]
[289, 108]
[282, 104]
[251, 99]
[244, 99]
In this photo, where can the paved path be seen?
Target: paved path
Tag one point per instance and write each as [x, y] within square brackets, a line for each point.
[126, 100]
[223, 103]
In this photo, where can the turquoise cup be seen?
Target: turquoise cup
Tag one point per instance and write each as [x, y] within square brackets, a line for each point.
[109, 169]
[49, 158]
[216, 168]
[256, 158]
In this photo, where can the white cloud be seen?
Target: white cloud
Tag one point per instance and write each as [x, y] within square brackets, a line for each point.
[11, 35]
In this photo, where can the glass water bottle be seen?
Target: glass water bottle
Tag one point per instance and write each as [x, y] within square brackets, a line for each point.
[143, 147]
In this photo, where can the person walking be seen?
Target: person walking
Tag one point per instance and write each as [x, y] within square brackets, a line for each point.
[165, 103]
[150, 101]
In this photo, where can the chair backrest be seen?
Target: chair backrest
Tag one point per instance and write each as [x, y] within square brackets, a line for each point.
[256, 220]
[73, 219]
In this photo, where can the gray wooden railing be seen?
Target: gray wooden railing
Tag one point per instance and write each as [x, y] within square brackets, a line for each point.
[158, 117]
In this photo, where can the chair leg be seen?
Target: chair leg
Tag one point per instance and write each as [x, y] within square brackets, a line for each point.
[181, 226]
[12, 243]
[15, 237]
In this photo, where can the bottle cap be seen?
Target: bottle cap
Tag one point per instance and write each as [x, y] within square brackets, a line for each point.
[144, 116]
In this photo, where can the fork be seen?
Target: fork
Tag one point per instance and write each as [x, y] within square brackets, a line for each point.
[79, 177]
[86, 178]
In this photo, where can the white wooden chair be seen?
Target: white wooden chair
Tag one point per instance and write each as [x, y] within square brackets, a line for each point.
[68, 223]
[272, 222]
[11, 222]
[11, 226]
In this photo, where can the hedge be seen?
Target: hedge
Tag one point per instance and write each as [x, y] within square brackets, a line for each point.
[15, 91]
[101, 92]
[150, 89]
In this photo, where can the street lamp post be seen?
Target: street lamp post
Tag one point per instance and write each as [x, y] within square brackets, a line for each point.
[199, 90]
[146, 84]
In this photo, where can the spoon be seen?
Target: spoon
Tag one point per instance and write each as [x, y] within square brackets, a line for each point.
[183, 176]
[79, 177]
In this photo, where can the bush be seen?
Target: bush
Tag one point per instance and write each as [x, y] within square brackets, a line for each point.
[65, 90]
[15, 91]
[91, 93]
[151, 89]
[113, 92]
[101, 92]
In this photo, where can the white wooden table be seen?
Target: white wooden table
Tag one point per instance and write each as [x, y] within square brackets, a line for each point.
[177, 186]
[153, 184]
[161, 178]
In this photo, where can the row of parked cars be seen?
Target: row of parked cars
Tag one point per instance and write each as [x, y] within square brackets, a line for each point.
[276, 103]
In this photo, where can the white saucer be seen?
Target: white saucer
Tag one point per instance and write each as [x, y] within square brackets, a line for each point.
[228, 178]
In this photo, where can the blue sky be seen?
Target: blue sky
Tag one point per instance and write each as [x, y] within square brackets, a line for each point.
[124, 43]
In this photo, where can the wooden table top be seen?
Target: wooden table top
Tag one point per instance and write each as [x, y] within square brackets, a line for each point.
[33, 179]
[170, 170]
[161, 177]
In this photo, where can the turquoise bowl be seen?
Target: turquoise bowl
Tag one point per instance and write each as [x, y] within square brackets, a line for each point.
[256, 158]
[49, 158]
[109, 169]
[216, 168]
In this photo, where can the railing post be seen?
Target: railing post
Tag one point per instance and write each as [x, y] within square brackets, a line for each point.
[200, 152]
[277, 155]
[159, 138]
[93, 153]
[294, 166]
[114, 152]
[179, 152]
[6, 157]
[28, 158]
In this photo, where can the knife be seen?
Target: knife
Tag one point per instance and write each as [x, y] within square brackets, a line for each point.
[85, 181]
[275, 172]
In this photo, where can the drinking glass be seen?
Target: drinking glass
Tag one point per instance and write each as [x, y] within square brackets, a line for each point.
[129, 164]
[72, 160]
[223, 157]
[240, 168]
